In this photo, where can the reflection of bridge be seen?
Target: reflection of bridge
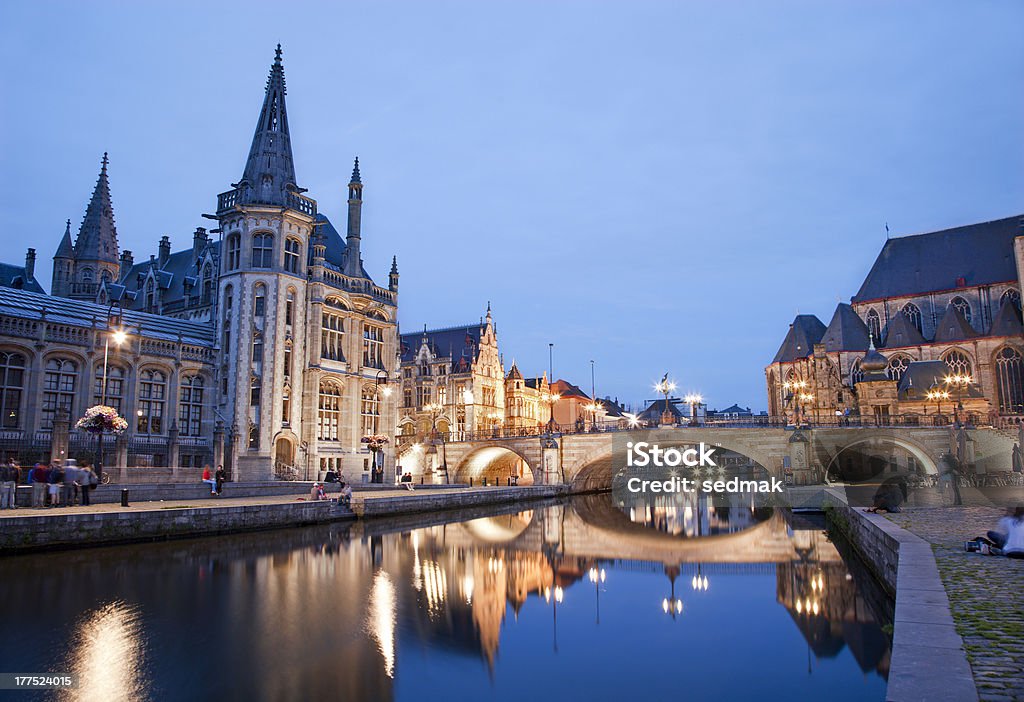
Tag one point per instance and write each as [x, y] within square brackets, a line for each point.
[586, 460]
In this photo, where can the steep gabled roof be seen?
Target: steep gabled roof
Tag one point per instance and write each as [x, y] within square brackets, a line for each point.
[900, 331]
[65, 249]
[954, 326]
[12, 276]
[97, 237]
[805, 331]
[654, 410]
[171, 277]
[564, 388]
[846, 331]
[981, 254]
[458, 343]
[1007, 321]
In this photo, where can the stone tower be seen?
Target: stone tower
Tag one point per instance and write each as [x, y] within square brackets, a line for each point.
[79, 271]
[267, 224]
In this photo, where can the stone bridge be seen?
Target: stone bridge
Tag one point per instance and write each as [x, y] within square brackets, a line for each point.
[586, 460]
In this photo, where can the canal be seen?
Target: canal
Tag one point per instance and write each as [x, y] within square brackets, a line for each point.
[582, 598]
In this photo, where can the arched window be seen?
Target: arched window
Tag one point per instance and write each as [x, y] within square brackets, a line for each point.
[329, 412]
[152, 397]
[207, 297]
[962, 305]
[913, 313]
[262, 250]
[150, 296]
[875, 327]
[259, 300]
[856, 373]
[897, 367]
[257, 351]
[292, 247]
[59, 382]
[114, 397]
[289, 307]
[1013, 296]
[12, 383]
[233, 259]
[958, 363]
[190, 406]
[229, 301]
[1010, 380]
[370, 410]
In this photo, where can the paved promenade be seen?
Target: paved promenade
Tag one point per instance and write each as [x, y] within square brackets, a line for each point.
[986, 593]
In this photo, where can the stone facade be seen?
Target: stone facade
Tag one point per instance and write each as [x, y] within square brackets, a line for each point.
[933, 305]
[273, 334]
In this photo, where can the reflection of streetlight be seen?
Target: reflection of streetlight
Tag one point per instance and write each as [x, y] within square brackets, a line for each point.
[672, 605]
[597, 576]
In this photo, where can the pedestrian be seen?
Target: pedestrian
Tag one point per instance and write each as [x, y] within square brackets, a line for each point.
[208, 479]
[39, 476]
[220, 477]
[10, 476]
[87, 483]
[54, 482]
[71, 472]
[950, 476]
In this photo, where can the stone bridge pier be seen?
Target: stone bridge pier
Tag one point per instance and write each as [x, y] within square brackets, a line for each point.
[587, 460]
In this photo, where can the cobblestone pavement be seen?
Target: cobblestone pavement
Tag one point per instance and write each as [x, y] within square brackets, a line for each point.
[986, 594]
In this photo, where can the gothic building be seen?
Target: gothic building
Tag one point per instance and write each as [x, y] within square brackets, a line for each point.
[273, 334]
[933, 306]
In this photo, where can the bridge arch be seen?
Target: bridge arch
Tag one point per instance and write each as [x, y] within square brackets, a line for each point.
[496, 462]
[924, 458]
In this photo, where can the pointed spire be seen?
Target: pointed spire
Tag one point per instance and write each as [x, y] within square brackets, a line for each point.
[97, 237]
[355, 173]
[394, 265]
[65, 249]
[270, 170]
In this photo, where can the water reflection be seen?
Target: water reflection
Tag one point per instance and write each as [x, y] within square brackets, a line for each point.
[433, 607]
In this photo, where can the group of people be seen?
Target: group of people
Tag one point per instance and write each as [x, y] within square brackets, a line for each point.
[53, 485]
[318, 492]
[215, 480]
[1008, 538]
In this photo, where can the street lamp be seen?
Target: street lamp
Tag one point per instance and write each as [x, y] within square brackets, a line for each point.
[665, 387]
[937, 395]
[118, 336]
[632, 420]
[796, 390]
[694, 401]
[380, 387]
[960, 382]
[594, 408]
[435, 409]
[672, 605]
[551, 398]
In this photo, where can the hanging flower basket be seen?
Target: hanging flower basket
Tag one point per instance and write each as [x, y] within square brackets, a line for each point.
[99, 419]
[375, 442]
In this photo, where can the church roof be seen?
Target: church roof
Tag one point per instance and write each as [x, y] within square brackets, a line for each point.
[981, 254]
[12, 276]
[1007, 321]
[65, 249]
[954, 326]
[900, 331]
[846, 331]
[30, 305]
[456, 343]
[97, 237]
[805, 331]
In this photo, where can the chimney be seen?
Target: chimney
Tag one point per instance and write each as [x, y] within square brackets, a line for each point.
[30, 264]
[199, 241]
[127, 261]
[165, 250]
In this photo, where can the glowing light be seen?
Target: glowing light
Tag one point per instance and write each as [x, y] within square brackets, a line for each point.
[559, 594]
[108, 655]
[119, 337]
[632, 419]
[386, 391]
[799, 607]
[381, 619]
[815, 607]
[467, 587]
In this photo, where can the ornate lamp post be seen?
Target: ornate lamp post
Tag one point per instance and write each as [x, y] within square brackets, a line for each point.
[380, 387]
[435, 409]
[937, 395]
[551, 398]
[694, 400]
[672, 605]
[118, 336]
[594, 408]
[798, 396]
[665, 387]
[960, 382]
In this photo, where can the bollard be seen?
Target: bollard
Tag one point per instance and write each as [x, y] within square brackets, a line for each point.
[124, 497]
[471, 482]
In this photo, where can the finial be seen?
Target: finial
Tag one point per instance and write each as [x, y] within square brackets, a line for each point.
[277, 54]
[105, 162]
[355, 172]
[67, 227]
[394, 264]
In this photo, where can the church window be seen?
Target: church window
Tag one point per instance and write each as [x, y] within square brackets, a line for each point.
[875, 327]
[856, 373]
[913, 313]
[962, 305]
[262, 250]
[897, 367]
[958, 363]
[12, 382]
[1010, 380]
[1013, 296]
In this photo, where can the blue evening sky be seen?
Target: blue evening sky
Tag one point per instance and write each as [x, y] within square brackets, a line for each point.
[655, 186]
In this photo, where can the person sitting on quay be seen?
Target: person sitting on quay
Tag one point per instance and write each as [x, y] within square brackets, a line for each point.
[220, 477]
[208, 479]
[10, 476]
[38, 477]
[345, 497]
[316, 493]
[406, 481]
[1012, 523]
[54, 483]
[69, 478]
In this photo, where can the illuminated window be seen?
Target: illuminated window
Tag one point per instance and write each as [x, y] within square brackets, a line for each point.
[958, 363]
[370, 407]
[329, 415]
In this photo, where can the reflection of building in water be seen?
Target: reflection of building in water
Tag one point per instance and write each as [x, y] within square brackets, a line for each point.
[821, 595]
[695, 514]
